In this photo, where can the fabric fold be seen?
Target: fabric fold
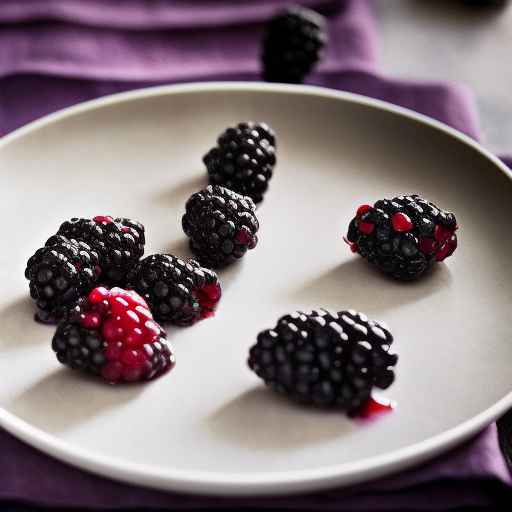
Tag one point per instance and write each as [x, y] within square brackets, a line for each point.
[73, 51]
[149, 14]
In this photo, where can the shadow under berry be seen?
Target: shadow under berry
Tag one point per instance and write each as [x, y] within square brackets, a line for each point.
[177, 195]
[357, 284]
[283, 424]
[64, 398]
[17, 325]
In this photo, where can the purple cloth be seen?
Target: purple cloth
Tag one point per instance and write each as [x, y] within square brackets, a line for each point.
[56, 53]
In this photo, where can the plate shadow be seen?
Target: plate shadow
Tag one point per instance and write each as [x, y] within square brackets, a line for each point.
[179, 247]
[259, 419]
[357, 284]
[179, 193]
[65, 398]
[18, 325]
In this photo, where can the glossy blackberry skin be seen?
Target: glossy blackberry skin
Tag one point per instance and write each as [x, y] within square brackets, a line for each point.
[79, 348]
[425, 234]
[221, 225]
[178, 292]
[330, 360]
[59, 274]
[84, 349]
[118, 242]
[243, 159]
[292, 45]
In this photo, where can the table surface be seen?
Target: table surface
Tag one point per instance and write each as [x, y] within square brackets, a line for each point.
[447, 40]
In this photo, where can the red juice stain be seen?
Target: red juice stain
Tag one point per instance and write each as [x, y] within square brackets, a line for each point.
[375, 407]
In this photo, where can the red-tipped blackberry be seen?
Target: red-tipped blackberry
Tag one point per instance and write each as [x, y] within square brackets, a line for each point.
[177, 291]
[114, 336]
[403, 236]
[326, 359]
[221, 225]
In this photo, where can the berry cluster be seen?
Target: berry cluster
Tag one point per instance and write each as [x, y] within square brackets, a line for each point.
[403, 236]
[292, 45]
[113, 335]
[104, 329]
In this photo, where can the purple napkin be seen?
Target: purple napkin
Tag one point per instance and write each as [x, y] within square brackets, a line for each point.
[56, 53]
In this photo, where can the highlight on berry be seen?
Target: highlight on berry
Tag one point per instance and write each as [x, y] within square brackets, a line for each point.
[325, 359]
[112, 335]
[221, 225]
[292, 45]
[403, 236]
[243, 159]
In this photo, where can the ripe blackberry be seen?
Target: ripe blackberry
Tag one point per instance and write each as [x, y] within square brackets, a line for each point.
[243, 160]
[114, 336]
[118, 242]
[59, 274]
[403, 236]
[178, 292]
[292, 45]
[221, 225]
[325, 359]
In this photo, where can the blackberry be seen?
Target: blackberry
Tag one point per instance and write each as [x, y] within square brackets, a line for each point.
[177, 292]
[113, 336]
[292, 44]
[403, 236]
[243, 160]
[221, 225]
[326, 359]
[118, 242]
[59, 274]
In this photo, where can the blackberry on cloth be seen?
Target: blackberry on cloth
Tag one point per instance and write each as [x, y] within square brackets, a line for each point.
[292, 44]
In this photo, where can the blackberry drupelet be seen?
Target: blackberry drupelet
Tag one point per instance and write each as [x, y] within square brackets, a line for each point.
[113, 335]
[243, 160]
[221, 225]
[177, 292]
[403, 236]
[292, 45]
[59, 274]
[118, 242]
[326, 359]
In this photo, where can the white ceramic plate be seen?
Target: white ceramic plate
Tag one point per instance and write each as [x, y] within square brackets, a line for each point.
[210, 426]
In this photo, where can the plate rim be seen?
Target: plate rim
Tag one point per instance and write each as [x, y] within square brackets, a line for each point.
[268, 483]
